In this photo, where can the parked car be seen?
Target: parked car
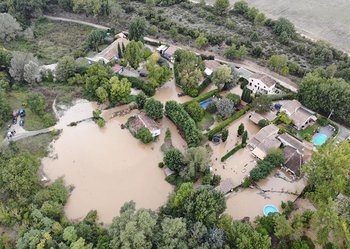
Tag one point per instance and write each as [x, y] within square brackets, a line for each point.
[14, 120]
[22, 113]
[21, 122]
[181, 94]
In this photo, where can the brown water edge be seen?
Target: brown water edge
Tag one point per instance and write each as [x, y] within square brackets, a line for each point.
[108, 166]
[251, 201]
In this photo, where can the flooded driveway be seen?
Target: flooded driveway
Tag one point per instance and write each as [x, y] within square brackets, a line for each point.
[107, 166]
[240, 163]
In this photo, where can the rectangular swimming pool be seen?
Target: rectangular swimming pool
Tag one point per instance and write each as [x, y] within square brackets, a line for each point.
[205, 103]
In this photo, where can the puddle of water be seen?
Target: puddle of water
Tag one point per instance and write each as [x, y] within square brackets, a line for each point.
[107, 166]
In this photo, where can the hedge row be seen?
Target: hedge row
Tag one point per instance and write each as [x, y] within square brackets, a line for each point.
[286, 96]
[202, 97]
[228, 121]
[204, 84]
[141, 85]
[184, 123]
[231, 152]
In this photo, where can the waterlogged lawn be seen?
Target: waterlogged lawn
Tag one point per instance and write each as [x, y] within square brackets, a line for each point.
[52, 40]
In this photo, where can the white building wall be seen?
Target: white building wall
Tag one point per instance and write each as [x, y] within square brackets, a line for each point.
[257, 85]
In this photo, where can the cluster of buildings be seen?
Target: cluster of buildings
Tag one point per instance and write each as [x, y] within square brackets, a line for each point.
[296, 152]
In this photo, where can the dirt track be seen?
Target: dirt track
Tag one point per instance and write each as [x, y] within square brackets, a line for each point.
[327, 20]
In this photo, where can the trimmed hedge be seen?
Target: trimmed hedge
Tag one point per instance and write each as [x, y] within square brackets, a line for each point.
[231, 152]
[287, 96]
[184, 123]
[228, 121]
[204, 84]
[202, 97]
[141, 85]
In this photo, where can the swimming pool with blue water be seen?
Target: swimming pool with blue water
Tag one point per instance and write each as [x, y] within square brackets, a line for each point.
[206, 103]
[319, 139]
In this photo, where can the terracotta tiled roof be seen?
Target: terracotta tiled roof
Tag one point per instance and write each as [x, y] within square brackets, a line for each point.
[212, 64]
[267, 80]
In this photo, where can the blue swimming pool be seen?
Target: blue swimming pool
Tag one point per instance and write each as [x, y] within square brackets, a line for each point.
[319, 139]
[269, 209]
[205, 103]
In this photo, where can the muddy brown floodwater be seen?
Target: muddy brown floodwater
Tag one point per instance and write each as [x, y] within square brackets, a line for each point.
[107, 166]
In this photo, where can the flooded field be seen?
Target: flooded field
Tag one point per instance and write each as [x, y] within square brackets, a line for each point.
[108, 166]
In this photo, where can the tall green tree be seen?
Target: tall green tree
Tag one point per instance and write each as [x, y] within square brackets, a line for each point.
[154, 108]
[133, 229]
[262, 104]
[222, 76]
[95, 39]
[137, 29]
[5, 109]
[120, 90]
[328, 171]
[134, 53]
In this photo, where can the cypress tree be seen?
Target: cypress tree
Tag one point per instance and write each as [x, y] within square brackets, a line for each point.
[244, 137]
[120, 54]
[123, 47]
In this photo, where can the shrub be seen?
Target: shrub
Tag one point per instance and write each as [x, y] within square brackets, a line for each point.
[37, 103]
[144, 135]
[244, 138]
[154, 108]
[161, 165]
[101, 122]
[203, 97]
[231, 152]
[204, 84]
[263, 122]
[224, 135]
[142, 85]
[211, 108]
[174, 159]
[247, 182]
[246, 95]
[236, 99]
[225, 107]
[184, 123]
[227, 122]
[195, 111]
[240, 130]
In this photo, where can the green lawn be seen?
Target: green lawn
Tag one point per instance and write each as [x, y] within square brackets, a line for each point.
[53, 40]
[309, 131]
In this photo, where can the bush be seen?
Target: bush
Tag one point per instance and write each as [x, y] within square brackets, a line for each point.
[225, 107]
[227, 122]
[184, 122]
[101, 122]
[262, 123]
[144, 135]
[37, 103]
[231, 152]
[224, 135]
[247, 182]
[154, 108]
[211, 108]
[161, 165]
[142, 85]
[195, 111]
[203, 97]
[204, 85]
[174, 159]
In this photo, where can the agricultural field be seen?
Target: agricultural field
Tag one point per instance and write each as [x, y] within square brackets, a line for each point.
[317, 19]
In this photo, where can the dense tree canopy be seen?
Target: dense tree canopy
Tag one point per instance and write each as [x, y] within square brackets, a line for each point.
[137, 29]
[154, 108]
[326, 96]
[9, 27]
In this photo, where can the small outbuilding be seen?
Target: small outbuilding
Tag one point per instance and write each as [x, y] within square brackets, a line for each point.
[143, 121]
